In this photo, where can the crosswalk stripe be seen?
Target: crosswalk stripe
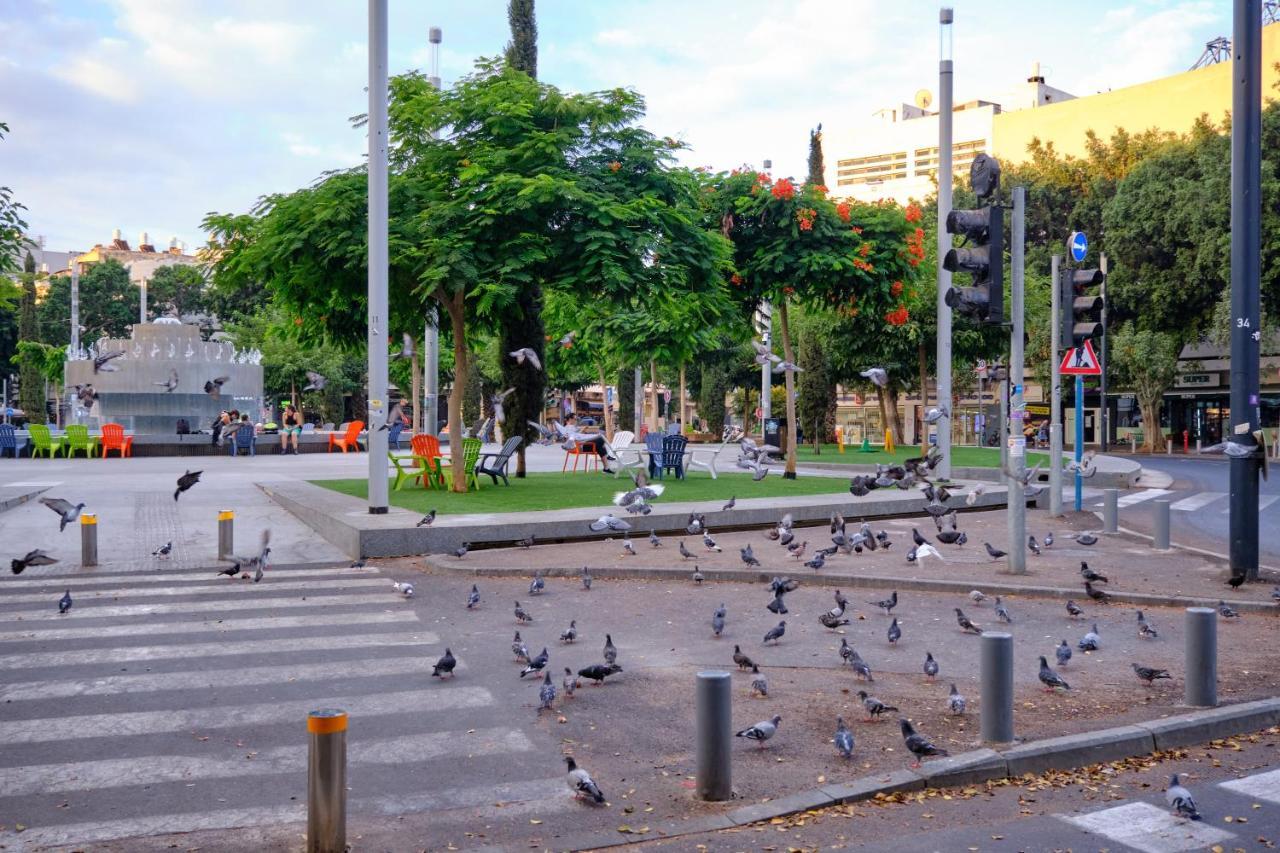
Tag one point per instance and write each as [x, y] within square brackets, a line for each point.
[157, 769]
[1264, 501]
[1149, 828]
[1197, 501]
[1144, 495]
[78, 579]
[227, 587]
[220, 626]
[124, 654]
[132, 723]
[1260, 786]
[208, 610]
[217, 678]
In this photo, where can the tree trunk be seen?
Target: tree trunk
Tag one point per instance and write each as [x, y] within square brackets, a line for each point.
[460, 369]
[293, 392]
[894, 417]
[924, 397]
[416, 385]
[684, 403]
[1151, 424]
[789, 355]
[884, 415]
[604, 397]
[653, 383]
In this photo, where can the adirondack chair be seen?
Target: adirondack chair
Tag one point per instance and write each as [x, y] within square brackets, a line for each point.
[470, 455]
[426, 453]
[622, 450]
[673, 450]
[113, 438]
[495, 464]
[400, 472]
[653, 446]
[9, 441]
[43, 442]
[78, 439]
[350, 439]
[243, 439]
[705, 457]
[328, 426]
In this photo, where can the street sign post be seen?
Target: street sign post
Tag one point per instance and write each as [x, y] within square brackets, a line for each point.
[1078, 246]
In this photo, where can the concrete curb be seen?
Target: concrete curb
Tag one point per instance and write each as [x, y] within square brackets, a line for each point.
[1116, 473]
[834, 579]
[983, 765]
[13, 498]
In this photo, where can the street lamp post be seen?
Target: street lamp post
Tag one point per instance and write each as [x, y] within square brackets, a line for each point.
[945, 18]
[378, 258]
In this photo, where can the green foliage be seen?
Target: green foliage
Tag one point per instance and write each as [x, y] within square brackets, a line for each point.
[626, 398]
[177, 290]
[713, 387]
[45, 360]
[522, 50]
[817, 165]
[1146, 361]
[30, 376]
[12, 226]
[816, 386]
[108, 305]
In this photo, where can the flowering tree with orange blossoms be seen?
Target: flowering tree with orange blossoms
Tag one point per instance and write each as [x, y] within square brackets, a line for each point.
[791, 243]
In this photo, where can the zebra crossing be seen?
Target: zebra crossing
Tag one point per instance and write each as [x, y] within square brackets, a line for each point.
[1191, 503]
[170, 700]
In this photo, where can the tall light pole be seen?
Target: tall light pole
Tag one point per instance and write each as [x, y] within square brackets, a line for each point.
[945, 18]
[431, 365]
[378, 259]
[766, 338]
[75, 308]
[1017, 516]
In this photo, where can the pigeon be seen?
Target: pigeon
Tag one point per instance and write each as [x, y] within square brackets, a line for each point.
[495, 404]
[256, 561]
[522, 616]
[1049, 678]
[1145, 629]
[955, 702]
[1087, 539]
[1090, 575]
[698, 577]
[526, 354]
[1064, 653]
[733, 500]
[610, 651]
[1150, 674]
[873, 705]
[697, 523]
[407, 348]
[847, 652]
[1232, 448]
[102, 362]
[581, 783]
[818, 560]
[1032, 546]
[426, 520]
[609, 522]
[473, 597]
[586, 579]
[887, 604]
[926, 551]
[858, 487]
[917, 538]
[315, 381]
[796, 549]
[1073, 609]
[965, 624]
[1048, 539]
[1095, 594]
[951, 537]
[1235, 581]
[406, 589]
[936, 414]
[598, 672]
[230, 571]
[977, 596]
[878, 376]
[993, 553]
[741, 659]
[974, 493]
[1002, 612]
[748, 557]
[861, 668]
[461, 551]
[65, 510]
[357, 564]
[833, 622]
[570, 634]
[163, 551]
[917, 744]
[717, 621]
[547, 693]
[526, 542]
[785, 366]
[930, 666]
[843, 739]
[775, 633]
[764, 355]
[895, 633]
[642, 493]
[35, 557]
[1226, 611]
[654, 540]
[64, 603]
[567, 341]
[1275, 594]
[186, 481]
[519, 649]
[1180, 800]
[709, 543]
[1090, 642]
[169, 384]
[445, 665]
[214, 386]
[759, 684]
[569, 683]
[537, 664]
[761, 731]
[685, 553]
[537, 585]
[394, 415]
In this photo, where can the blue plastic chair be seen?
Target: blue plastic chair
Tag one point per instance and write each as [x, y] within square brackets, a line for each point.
[673, 447]
[243, 439]
[9, 441]
[653, 444]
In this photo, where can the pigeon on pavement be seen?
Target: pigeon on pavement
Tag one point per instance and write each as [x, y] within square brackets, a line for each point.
[581, 783]
[461, 551]
[993, 553]
[816, 562]
[569, 683]
[1150, 674]
[547, 693]
[873, 705]
[895, 633]
[64, 604]
[759, 684]
[698, 577]
[930, 666]
[610, 651]
[709, 543]
[1090, 575]
[1002, 612]
[741, 659]
[519, 649]
[473, 597]
[1180, 800]
[917, 744]
[34, 557]
[832, 622]
[1226, 611]
[965, 624]
[1095, 594]
[537, 664]
[887, 604]
[685, 553]
[1145, 629]
[843, 739]
[775, 633]
[537, 585]
[1049, 678]
[444, 666]
[923, 551]
[1073, 609]
[748, 557]
[1032, 546]
[955, 702]
[1087, 539]
[405, 589]
[1090, 642]
[163, 551]
[977, 596]
[733, 500]
[522, 616]
[598, 672]
[186, 481]
[761, 731]
[1064, 653]
[66, 511]
[654, 540]
[586, 579]
[717, 620]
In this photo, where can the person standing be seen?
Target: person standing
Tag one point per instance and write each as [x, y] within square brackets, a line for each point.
[219, 424]
[290, 428]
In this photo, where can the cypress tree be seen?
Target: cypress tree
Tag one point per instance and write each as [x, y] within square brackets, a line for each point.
[30, 379]
[523, 326]
[817, 166]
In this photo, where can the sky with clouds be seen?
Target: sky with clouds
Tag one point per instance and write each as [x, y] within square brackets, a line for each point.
[145, 114]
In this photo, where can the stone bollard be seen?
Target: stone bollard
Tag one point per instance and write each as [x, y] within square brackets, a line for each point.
[1202, 657]
[996, 674]
[1160, 539]
[1111, 511]
[327, 782]
[714, 734]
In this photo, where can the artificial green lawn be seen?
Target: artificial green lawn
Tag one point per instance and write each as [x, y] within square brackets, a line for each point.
[562, 491]
[961, 457]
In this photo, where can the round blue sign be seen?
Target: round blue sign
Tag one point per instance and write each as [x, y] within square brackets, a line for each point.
[1079, 246]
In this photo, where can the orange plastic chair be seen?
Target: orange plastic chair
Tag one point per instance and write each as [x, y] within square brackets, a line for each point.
[113, 438]
[351, 439]
[426, 452]
[588, 456]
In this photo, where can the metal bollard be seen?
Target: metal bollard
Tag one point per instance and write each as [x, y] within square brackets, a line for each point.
[714, 733]
[88, 539]
[1161, 538]
[1168, 447]
[996, 668]
[226, 533]
[327, 782]
[1133, 443]
[1111, 511]
[1202, 657]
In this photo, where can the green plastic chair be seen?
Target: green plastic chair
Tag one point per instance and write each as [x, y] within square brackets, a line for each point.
[78, 439]
[401, 473]
[43, 442]
[470, 455]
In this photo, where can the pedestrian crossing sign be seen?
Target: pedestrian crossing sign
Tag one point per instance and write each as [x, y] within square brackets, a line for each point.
[1081, 361]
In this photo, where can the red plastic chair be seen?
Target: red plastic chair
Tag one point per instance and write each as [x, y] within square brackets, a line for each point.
[113, 438]
[350, 440]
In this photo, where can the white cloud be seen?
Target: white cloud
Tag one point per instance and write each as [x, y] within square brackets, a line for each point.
[101, 77]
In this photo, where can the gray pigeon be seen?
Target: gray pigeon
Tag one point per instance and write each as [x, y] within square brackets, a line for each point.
[1049, 678]
[1032, 546]
[569, 683]
[733, 499]
[214, 386]
[1145, 629]
[917, 744]
[698, 577]
[759, 684]
[609, 522]
[717, 620]
[526, 354]
[685, 553]
[537, 585]
[775, 633]
[427, 519]
[610, 651]
[570, 634]
[843, 738]
[761, 731]
[873, 705]
[315, 381]
[1090, 641]
[34, 557]
[64, 603]
[1064, 653]
[461, 551]
[895, 633]
[65, 510]
[586, 579]
[547, 693]
[1002, 612]
[1226, 611]
[748, 557]
[172, 382]
[654, 540]
[1180, 800]
[522, 616]
[581, 783]
[930, 666]
[519, 649]
[1150, 674]
[101, 363]
[473, 597]
[955, 702]
[965, 624]
[878, 376]
[445, 665]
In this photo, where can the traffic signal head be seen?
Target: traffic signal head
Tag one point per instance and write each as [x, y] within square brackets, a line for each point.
[984, 175]
[1081, 307]
[983, 258]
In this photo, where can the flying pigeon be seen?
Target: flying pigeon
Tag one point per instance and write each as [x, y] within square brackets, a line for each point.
[917, 744]
[784, 366]
[407, 348]
[717, 621]
[33, 558]
[775, 633]
[843, 739]
[764, 355]
[887, 604]
[567, 341]
[65, 510]
[461, 550]
[598, 672]
[936, 414]
[965, 624]
[1145, 629]
[526, 354]
[315, 381]
[926, 551]
[878, 376]
[495, 403]
[895, 633]
[1232, 448]
[930, 666]
[1090, 641]
[1150, 674]
[581, 783]
[186, 481]
[473, 597]
[609, 522]
[570, 634]
[955, 702]
[522, 616]
[169, 384]
[444, 666]
[1064, 653]
[547, 693]
[537, 664]
[974, 493]
[214, 386]
[64, 603]
[761, 731]
[610, 651]
[394, 415]
[256, 561]
[759, 684]
[873, 705]
[1049, 678]
[102, 362]
[1180, 800]
[643, 492]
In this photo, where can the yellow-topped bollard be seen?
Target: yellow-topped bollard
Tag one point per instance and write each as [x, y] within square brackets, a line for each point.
[839, 439]
[88, 539]
[888, 441]
[226, 533]
[327, 781]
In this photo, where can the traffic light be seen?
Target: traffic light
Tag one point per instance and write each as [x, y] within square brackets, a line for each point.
[983, 256]
[1081, 310]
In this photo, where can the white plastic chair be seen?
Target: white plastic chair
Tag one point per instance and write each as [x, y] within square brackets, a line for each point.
[622, 441]
[705, 457]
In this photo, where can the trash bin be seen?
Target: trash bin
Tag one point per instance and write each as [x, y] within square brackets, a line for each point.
[771, 431]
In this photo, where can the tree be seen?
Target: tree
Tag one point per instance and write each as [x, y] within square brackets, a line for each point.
[816, 387]
[108, 305]
[817, 165]
[1146, 361]
[522, 50]
[12, 226]
[30, 377]
[177, 289]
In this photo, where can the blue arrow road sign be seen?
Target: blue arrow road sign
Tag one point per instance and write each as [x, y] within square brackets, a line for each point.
[1079, 246]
